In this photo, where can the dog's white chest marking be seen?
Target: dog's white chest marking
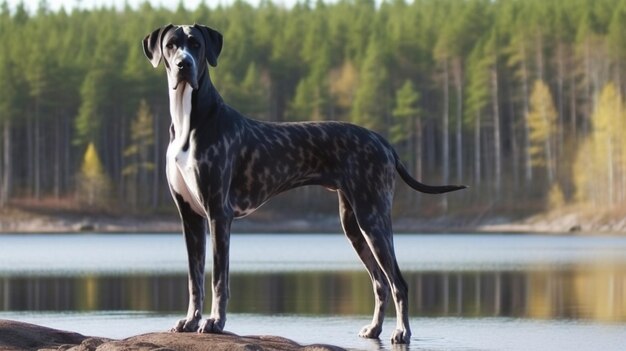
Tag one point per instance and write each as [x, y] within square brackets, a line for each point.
[181, 166]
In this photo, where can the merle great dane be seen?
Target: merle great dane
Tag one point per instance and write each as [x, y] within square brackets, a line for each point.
[222, 165]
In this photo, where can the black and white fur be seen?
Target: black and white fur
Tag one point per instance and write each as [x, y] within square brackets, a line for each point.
[222, 165]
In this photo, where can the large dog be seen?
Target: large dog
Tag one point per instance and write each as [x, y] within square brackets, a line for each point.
[222, 165]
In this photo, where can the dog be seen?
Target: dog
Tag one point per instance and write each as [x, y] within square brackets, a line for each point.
[221, 165]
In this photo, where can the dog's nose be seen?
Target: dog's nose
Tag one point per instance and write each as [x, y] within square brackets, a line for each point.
[184, 64]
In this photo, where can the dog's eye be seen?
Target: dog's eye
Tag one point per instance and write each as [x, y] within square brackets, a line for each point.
[169, 46]
[194, 44]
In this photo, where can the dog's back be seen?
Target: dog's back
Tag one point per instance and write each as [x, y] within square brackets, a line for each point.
[276, 157]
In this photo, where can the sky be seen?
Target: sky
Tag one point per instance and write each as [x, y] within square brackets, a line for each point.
[32, 5]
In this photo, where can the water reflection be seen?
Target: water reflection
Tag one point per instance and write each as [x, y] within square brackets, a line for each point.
[577, 292]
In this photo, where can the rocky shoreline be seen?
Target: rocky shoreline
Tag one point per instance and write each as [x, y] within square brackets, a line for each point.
[19, 336]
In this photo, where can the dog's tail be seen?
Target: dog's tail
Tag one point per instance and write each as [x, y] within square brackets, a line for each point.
[421, 187]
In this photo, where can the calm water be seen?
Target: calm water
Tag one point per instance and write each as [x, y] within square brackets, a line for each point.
[466, 291]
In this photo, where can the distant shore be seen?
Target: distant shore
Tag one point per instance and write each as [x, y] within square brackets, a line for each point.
[559, 222]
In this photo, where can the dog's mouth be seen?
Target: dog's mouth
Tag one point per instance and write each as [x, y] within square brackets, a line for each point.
[185, 78]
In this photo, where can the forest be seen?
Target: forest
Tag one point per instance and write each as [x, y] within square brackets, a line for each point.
[522, 100]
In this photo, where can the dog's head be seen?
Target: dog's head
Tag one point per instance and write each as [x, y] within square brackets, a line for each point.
[184, 49]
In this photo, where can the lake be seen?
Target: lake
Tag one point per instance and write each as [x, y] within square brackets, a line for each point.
[467, 292]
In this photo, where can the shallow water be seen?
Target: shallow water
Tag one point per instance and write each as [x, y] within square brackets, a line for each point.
[466, 291]
[428, 333]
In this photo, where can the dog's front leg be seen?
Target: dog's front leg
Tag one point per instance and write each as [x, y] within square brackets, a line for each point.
[194, 229]
[220, 236]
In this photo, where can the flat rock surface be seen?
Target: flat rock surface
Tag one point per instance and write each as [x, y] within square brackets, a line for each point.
[18, 336]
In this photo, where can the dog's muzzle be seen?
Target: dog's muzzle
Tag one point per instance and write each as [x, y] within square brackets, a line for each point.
[185, 70]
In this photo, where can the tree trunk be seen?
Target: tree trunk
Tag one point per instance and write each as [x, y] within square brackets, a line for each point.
[573, 108]
[30, 150]
[527, 160]
[588, 106]
[445, 147]
[539, 57]
[5, 192]
[550, 159]
[431, 145]
[157, 164]
[417, 143]
[477, 150]
[458, 81]
[67, 156]
[560, 79]
[2, 168]
[497, 145]
[515, 152]
[609, 170]
[118, 159]
[57, 158]
[37, 152]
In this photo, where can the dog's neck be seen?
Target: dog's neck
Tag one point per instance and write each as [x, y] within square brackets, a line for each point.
[180, 111]
[188, 107]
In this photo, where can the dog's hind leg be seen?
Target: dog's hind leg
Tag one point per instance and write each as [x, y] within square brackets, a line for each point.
[379, 281]
[374, 219]
[194, 229]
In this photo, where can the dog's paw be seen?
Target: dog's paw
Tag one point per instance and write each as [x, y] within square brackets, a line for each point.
[371, 331]
[401, 336]
[212, 326]
[186, 325]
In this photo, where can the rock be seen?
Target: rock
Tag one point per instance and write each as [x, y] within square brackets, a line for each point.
[18, 336]
[24, 336]
[576, 228]
[84, 227]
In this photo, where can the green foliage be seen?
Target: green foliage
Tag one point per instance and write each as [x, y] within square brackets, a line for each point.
[138, 155]
[88, 122]
[250, 94]
[617, 32]
[8, 77]
[81, 75]
[405, 113]
[343, 83]
[477, 96]
[371, 98]
[141, 141]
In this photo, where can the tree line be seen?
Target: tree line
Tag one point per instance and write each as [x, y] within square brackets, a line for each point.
[521, 99]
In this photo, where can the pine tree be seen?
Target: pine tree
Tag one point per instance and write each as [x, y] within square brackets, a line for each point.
[600, 166]
[407, 128]
[303, 105]
[94, 186]
[477, 98]
[88, 122]
[343, 84]
[616, 38]
[371, 97]
[254, 95]
[139, 163]
[405, 113]
[541, 121]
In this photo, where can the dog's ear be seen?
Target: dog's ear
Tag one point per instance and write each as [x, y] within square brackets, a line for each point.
[152, 44]
[212, 42]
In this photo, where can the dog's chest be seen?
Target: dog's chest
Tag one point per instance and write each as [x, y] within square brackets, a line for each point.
[181, 166]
